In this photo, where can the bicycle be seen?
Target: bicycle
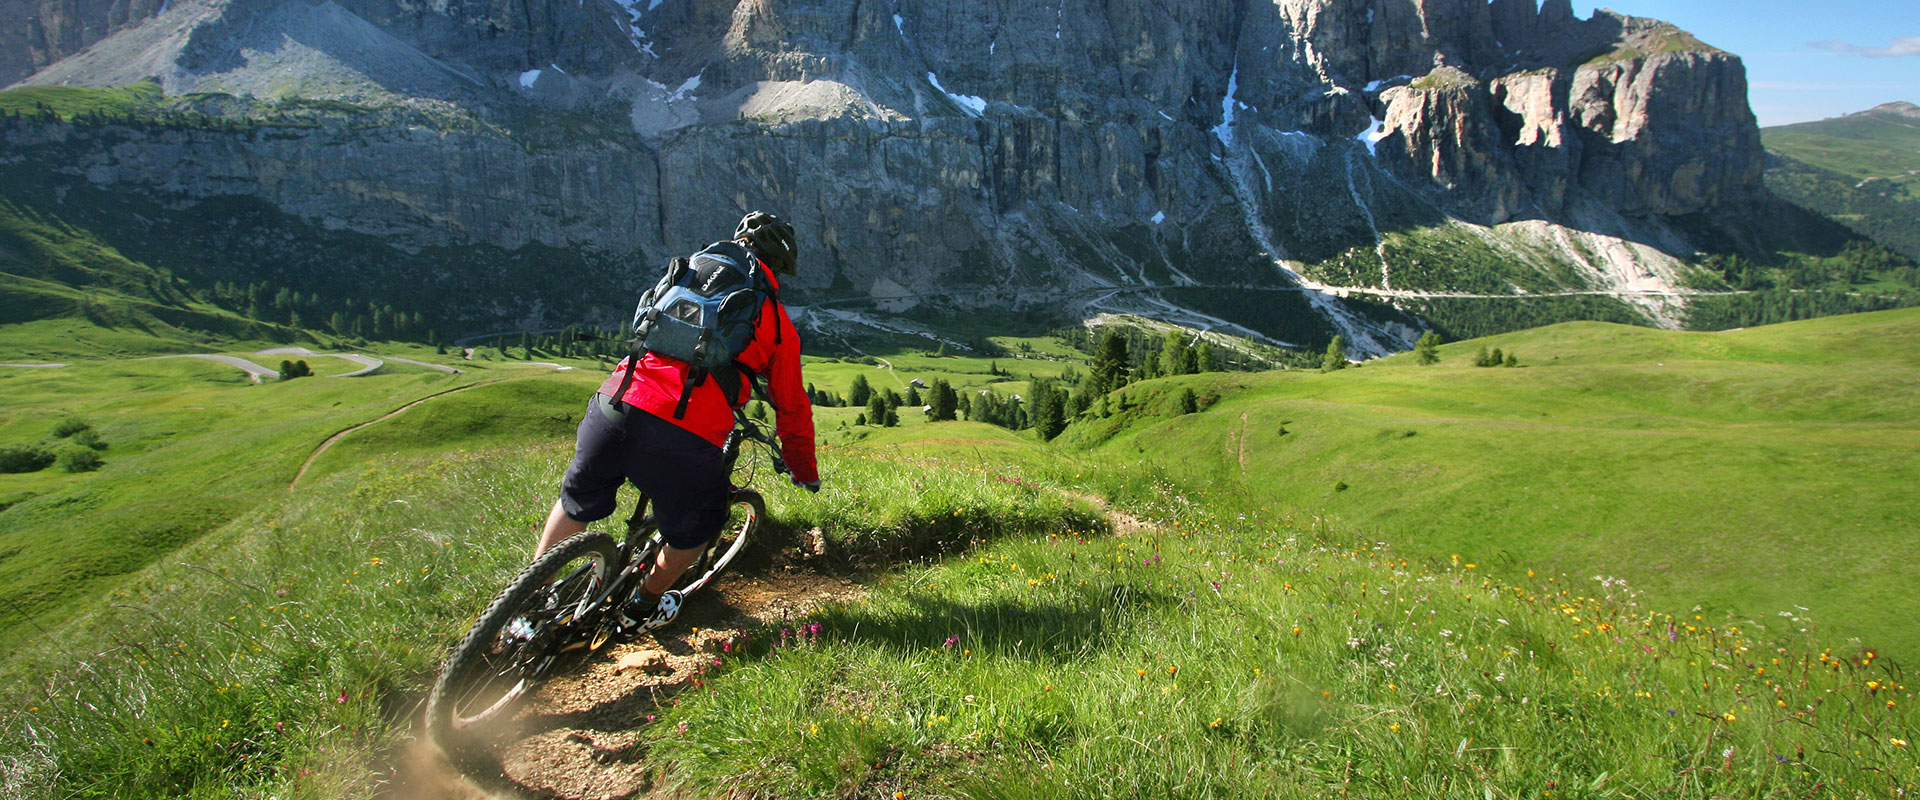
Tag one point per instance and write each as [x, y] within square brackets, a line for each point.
[568, 602]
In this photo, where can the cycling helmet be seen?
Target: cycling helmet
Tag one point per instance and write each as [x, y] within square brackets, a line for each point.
[771, 239]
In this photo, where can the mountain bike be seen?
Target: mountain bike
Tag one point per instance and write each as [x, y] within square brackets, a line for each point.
[568, 602]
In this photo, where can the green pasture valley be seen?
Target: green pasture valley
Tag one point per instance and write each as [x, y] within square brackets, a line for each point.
[1636, 563]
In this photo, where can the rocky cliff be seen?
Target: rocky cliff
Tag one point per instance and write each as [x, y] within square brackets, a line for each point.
[1067, 154]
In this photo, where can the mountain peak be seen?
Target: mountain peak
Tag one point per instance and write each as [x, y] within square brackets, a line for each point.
[1903, 109]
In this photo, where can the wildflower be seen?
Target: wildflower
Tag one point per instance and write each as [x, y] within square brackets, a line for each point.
[953, 640]
[1140, 672]
[1728, 716]
[1897, 742]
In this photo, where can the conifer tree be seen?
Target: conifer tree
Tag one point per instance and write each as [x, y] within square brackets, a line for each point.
[1426, 351]
[1109, 368]
[1336, 357]
[943, 399]
[1203, 360]
[1173, 354]
[860, 392]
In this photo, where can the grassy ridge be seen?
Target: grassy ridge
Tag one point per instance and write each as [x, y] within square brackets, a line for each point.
[191, 446]
[1869, 144]
[1752, 471]
[1231, 648]
[279, 655]
[1227, 657]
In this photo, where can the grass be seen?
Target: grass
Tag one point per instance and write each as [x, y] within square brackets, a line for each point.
[284, 654]
[192, 445]
[1860, 146]
[68, 102]
[1228, 657]
[1751, 471]
[1255, 637]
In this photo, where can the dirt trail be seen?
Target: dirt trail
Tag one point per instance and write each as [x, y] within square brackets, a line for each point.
[331, 440]
[575, 737]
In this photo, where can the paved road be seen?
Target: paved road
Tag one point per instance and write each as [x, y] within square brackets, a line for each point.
[367, 363]
[441, 367]
[254, 371]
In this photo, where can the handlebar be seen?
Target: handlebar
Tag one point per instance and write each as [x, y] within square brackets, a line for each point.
[745, 428]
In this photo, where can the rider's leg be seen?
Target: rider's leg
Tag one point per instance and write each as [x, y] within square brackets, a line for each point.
[666, 569]
[559, 526]
[588, 491]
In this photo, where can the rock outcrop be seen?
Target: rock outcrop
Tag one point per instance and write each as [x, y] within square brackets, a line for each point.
[35, 34]
[1044, 150]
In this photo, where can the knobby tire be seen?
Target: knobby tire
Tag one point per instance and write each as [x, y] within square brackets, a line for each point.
[490, 649]
[745, 511]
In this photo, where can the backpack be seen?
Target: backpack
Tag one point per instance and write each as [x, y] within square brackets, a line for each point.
[704, 312]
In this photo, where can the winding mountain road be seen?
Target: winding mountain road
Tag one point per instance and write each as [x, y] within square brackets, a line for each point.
[254, 371]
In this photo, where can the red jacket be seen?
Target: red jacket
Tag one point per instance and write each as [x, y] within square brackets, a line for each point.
[774, 353]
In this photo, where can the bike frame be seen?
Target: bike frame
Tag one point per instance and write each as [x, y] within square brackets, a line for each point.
[642, 539]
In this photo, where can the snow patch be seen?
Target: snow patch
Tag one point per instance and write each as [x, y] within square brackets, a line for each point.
[1159, 217]
[1374, 86]
[900, 25]
[634, 33]
[527, 78]
[973, 105]
[1224, 131]
[1372, 135]
[1164, 114]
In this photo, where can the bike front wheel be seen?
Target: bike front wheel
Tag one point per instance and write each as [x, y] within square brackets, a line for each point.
[745, 510]
[518, 637]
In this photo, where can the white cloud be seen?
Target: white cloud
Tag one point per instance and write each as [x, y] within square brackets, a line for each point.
[1904, 46]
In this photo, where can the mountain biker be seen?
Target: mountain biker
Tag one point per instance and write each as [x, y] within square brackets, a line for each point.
[675, 458]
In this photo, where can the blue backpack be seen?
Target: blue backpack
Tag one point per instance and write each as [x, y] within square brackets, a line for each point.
[704, 312]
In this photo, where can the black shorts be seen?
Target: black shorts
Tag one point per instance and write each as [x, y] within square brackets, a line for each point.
[679, 471]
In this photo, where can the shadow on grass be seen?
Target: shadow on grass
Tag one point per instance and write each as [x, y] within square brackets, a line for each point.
[1071, 624]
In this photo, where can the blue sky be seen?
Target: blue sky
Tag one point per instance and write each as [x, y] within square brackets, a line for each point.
[1805, 60]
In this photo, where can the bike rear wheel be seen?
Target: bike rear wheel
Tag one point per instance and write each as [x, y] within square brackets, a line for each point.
[745, 510]
[518, 637]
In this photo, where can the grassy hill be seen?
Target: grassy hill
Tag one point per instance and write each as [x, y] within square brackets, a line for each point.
[1393, 580]
[1862, 170]
[1753, 472]
[189, 446]
[1878, 144]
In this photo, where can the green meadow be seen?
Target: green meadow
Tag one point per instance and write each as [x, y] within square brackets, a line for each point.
[1563, 579]
[1751, 472]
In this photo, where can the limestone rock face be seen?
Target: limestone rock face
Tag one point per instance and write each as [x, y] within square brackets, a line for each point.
[37, 33]
[926, 146]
